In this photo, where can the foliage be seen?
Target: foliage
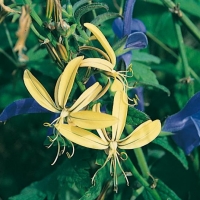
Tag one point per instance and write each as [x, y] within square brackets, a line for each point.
[71, 78]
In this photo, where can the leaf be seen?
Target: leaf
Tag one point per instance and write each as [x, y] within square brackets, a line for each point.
[103, 17]
[136, 117]
[72, 174]
[84, 9]
[165, 192]
[94, 191]
[145, 57]
[168, 145]
[22, 106]
[143, 74]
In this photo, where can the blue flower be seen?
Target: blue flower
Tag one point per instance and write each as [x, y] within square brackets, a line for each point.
[186, 125]
[134, 29]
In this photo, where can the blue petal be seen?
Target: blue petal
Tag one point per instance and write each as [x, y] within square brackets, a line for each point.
[137, 26]
[117, 27]
[128, 11]
[127, 58]
[176, 122]
[188, 137]
[90, 82]
[137, 40]
[22, 106]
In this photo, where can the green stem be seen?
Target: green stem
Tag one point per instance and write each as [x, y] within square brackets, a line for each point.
[37, 33]
[136, 174]
[140, 157]
[165, 47]
[186, 21]
[8, 56]
[121, 7]
[142, 162]
[186, 68]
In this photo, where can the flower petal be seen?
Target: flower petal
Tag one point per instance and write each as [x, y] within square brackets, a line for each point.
[81, 136]
[38, 92]
[86, 97]
[97, 63]
[136, 40]
[116, 85]
[142, 135]
[128, 11]
[137, 26]
[101, 38]
[120, 108]
[189, 136]
[117, 27]
[20, 107]
[92, 120]
[67, 80]
[177, 121]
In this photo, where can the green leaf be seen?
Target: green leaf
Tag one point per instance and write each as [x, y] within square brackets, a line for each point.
[142, 74]
[165, 192]
[103, 17]
[84, 9]
[94, 191]
[170, 146]
[73, 173]
[145, 57]
[136, 117]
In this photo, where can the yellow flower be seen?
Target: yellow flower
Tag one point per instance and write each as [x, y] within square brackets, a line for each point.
[73, 115]
[141, 136]
[120, 83]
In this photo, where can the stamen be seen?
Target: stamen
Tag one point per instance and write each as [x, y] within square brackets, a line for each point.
[58, 152]
[123, 154]
[73, 149]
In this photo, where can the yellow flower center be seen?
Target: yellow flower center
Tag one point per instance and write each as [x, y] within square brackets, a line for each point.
[64, 113]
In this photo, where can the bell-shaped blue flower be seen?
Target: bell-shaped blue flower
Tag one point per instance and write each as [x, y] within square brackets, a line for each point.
[131, 28]
[186, 125]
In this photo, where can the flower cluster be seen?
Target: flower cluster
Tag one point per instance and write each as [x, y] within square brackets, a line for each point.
[80, 120]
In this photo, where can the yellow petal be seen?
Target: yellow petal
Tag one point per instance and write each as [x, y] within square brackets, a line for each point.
[67, 80]
[142, 135]
[116, 85]
[86, 97]
[103, 91]
[101, 38]
[38, 92]
[56, 91]
[81, 136]
[120, 108]
[92, 120]
[102, 132]
[97, 63]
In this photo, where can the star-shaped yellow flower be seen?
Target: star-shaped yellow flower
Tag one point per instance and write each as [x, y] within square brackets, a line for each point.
[74, 115]
[141, 136]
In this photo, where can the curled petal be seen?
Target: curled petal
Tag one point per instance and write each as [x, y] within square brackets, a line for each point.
[20, 107]
[97, 63]
[101, 38]
[38, 92]
[92, 120]
[81, 136]
[136, 40]
[142, 135]
[117, 85]
[67, 80]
